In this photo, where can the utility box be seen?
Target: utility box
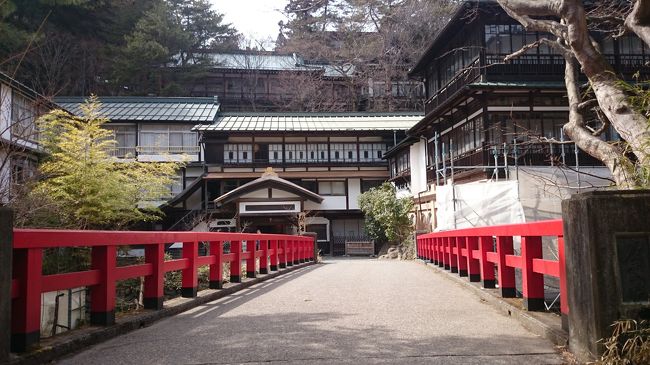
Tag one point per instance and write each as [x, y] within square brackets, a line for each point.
[607, 248]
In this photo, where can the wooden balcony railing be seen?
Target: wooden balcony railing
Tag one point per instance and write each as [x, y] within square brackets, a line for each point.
[455, 85]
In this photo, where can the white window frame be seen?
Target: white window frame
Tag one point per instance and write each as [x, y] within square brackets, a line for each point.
[241, 153]
[161, 134]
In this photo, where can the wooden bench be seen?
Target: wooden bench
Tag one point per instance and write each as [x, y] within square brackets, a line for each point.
[365, 248]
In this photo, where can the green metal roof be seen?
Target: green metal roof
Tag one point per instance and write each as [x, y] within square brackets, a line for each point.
[135, 109]
[311, 121]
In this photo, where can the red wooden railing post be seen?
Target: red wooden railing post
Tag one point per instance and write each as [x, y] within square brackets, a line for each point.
[216, 270]
[6, 281]
[283, 255]
[309, 249]
[264, 259]
[426, 253]
[473, 265]
[296, 251]
[312, 249]
[506, 274]
[532, 283]
[153, 295]
[425, 243]
[251, 249]
[486, 244]
[433, 255]
[439, 247]
[26, 309]
[462, 259]
[289, 252]
[303, 250]
[102, 296]
[235, 264]
[305, 246]
[274, 255]
[297, 259]
[422, 248]
[190, 280]
[453, 256]
[564, 304]
[444, 246]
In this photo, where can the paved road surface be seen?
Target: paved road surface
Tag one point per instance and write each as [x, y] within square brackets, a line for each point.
[345, 311]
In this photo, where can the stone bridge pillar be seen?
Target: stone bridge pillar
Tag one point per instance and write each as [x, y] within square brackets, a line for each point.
[607, 247]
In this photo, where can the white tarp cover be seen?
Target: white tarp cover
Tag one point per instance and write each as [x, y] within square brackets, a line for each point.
[478, 204]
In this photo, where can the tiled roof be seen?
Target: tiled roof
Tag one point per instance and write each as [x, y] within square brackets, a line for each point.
[263, 61]
[268, 61]
[131, 109]
[311, 121]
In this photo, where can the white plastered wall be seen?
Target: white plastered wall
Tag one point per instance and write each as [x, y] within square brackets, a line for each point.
[417, 159]
[354, 190]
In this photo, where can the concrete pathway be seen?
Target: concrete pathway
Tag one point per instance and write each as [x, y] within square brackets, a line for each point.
[345, 311]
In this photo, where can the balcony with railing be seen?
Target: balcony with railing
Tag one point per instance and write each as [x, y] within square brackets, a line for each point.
[263, 162]
[122, 152]
[533, 154]
[469, 74]
[545, 67]
[163, 150]
[133, 152]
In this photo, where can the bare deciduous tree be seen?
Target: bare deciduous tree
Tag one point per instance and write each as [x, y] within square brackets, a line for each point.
[568, 23]
[379, 39]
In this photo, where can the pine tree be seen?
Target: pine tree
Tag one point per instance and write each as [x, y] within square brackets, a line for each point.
[89, 188]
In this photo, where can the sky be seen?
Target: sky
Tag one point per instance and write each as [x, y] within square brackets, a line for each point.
[255, 19]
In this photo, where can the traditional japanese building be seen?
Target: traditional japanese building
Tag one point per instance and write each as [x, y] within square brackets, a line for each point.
[485, 119]
[156, 129]
[273, 172]
[20, 107]
[287, 82]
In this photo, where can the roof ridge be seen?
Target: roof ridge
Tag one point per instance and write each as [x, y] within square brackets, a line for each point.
[139, 99]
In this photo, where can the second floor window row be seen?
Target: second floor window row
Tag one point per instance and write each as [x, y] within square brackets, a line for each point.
[304, 153]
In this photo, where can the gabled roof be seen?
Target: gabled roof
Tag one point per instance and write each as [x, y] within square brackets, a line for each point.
[457, 21]
[275, 62]
[312, 121]
[269, 180]
[26, 90]
[159, 109]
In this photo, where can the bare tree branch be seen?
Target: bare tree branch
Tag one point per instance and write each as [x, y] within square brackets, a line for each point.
[638, 20]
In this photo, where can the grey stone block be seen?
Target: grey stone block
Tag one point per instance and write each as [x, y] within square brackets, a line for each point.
[607, 248]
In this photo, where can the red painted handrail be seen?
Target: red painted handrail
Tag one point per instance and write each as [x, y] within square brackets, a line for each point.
[274, 251]
[476, 252]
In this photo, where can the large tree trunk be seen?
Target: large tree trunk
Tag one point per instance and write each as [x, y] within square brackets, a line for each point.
[611, 155]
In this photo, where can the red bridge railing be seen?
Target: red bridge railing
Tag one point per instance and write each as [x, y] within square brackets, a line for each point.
[477, 252]
[275, 251]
